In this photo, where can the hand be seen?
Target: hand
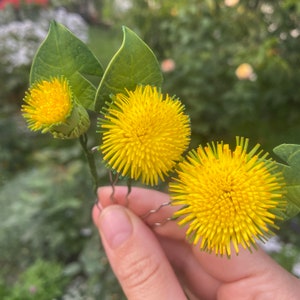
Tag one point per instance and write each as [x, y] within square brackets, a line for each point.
[153, 263]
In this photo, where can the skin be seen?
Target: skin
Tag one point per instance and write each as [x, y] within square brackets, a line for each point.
[156, 262]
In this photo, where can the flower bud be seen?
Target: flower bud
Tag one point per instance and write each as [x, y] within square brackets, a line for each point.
[50, 106]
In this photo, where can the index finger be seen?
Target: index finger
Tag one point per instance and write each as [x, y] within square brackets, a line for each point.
[144, 203]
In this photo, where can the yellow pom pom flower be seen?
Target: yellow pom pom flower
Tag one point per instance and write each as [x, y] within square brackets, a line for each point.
[227, 198]
[50, 107]
[144, 134]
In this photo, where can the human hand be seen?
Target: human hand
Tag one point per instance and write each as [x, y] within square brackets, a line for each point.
[158, 263]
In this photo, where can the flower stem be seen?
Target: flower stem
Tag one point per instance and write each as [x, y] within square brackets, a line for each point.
[91, 161]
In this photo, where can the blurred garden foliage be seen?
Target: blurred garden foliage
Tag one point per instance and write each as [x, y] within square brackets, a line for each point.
[236, 68]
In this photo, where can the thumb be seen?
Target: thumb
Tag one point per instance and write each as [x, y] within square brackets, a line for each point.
[136, 256]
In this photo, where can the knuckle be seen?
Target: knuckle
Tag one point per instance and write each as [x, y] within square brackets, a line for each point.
[139, 271]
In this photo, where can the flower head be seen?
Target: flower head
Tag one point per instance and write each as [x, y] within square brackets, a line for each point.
[144, 134]
[228, 198]
[50, 106]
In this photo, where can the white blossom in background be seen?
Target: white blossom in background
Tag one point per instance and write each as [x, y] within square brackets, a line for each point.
[295, 33]
[296, 269]
[72, 21]
[267, 9]
[21, 39]
[273, 245]
[122, 6]
[288, 251]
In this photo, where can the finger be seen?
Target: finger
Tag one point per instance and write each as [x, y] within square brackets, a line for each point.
[141, 201]
[243, 265]
[210, 277]
[136, 256]
[194, 278]
[188, 269]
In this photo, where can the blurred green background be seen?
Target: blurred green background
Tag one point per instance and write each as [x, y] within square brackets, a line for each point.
[234, 64]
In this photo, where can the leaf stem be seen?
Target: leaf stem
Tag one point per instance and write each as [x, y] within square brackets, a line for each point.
[83, 139]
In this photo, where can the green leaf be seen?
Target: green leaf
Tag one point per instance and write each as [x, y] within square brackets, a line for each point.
[62, 53]
[133, 64]
[290, 153]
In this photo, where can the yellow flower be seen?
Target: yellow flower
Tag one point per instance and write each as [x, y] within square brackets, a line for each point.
[144, 134]
[245, 72]
[50, 107]
[227, 198]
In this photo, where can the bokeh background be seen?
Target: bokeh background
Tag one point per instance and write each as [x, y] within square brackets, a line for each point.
[235, 65]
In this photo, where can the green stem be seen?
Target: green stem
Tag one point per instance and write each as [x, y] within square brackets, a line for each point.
[91, 160]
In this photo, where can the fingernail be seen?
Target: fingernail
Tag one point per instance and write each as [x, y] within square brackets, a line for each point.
[115, 226]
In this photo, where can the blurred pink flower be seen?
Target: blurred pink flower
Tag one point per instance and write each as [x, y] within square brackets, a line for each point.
[168, 65]
[17, 3]
[32, 289]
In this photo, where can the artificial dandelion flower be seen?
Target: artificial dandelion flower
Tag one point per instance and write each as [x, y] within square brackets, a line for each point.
[144, 134]
[50, 107]
[227, 198]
